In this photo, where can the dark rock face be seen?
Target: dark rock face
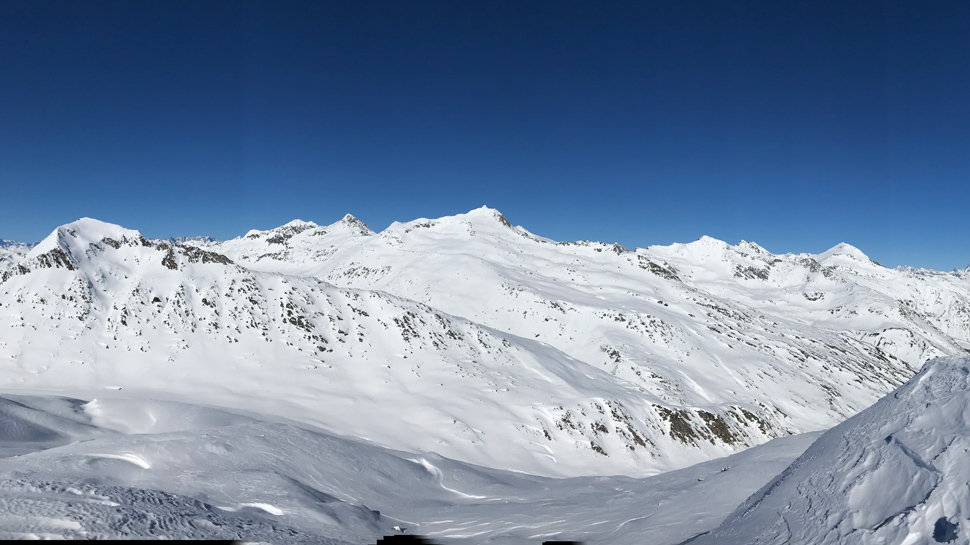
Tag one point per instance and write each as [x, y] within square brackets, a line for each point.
[169, 260]
[55, 258]
[662, 271]
[751, 273]
[111, 242]
[196, 255]
[192, 254]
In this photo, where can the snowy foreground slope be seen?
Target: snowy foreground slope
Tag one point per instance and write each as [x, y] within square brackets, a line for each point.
[898, 472]
[114, 467]
[479, 341]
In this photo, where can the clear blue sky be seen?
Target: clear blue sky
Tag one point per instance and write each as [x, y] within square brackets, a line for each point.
[795, 124]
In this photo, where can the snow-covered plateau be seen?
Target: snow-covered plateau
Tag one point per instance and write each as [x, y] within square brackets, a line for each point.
[442, 366]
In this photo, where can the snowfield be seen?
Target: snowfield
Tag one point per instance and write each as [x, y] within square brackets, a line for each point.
[462, 350]
[116, 467]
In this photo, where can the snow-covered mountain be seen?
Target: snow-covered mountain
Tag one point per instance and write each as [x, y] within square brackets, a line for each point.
[696, 328]
[194, 240]
[11, 253]
[898, 472]
[480, 341]
[95, 305]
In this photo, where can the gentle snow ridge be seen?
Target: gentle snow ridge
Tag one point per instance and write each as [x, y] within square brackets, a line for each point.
[898, 472]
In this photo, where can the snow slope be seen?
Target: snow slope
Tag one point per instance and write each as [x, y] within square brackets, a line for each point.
[898, 472]
[138, 467]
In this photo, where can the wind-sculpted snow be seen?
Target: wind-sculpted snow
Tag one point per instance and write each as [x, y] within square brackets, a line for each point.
[898, 472]
[142, 467]
[40, 509]
[478, 340]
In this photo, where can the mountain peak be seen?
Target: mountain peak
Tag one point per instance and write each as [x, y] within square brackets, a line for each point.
[298, 224]
[80, 234]
[483, 219]
[283, 232]
[843, 249]
[707, 243]
[488, 214]
[752, 246]
[67, 245]
[355, 224]
[4, 243]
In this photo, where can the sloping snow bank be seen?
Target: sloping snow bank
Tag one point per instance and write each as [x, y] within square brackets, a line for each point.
[115, 468]
[897, 472]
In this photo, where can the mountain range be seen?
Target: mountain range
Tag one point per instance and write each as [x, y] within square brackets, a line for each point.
[477, 340]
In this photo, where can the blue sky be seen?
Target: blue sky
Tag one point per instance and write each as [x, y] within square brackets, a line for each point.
[797, 125]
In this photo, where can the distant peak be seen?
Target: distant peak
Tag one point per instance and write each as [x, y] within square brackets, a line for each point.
[300, 224]
[706, 241]
[4, 243]
[754, 247]
[490, 214]
[73, 239]
[92, 230]
[844, 249]
[282, 233]
[196, 239]
[352, 222]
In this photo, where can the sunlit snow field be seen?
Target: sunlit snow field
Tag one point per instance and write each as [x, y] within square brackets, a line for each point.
[125, 465]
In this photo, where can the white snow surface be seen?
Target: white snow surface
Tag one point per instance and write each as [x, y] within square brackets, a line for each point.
[480, 341]
[897, 472]
[117, 467]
